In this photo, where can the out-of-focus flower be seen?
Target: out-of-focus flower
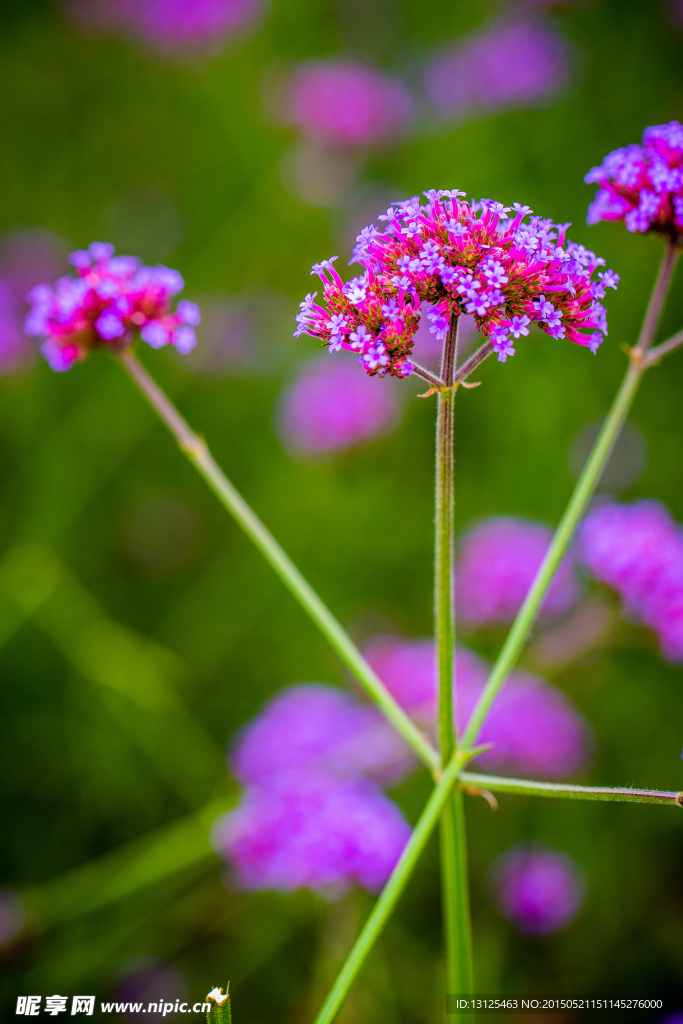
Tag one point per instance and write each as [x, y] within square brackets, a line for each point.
[533, 727]
[643, 184]
[460, 257]
[330, 407]
[497, 564]
[512, 63]
[168, 25]
[148, 980]
[15, 349]
[538, 889]
[638, 550]
[313, 832]
[317, 729]
[12, 916]
[312, 814]
[344, 103]
[111, 299]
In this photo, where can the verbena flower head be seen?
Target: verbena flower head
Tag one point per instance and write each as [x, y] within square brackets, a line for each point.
[538, 889]
[643, 184]
[106, 304]
[533, 727]
[318, 730]
[480, 258]
[513, 63]
[638, 550]
[313, 832]
[496, 566]
[330, 407]
[344, 103]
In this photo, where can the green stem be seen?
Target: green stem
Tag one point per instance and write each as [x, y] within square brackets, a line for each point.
[571, 791]
[198, 453]
[391, 893]
[577, 505]
[454, 882]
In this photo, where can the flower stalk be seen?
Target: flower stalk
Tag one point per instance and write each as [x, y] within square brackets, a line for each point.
[452, 831]
[198, 453]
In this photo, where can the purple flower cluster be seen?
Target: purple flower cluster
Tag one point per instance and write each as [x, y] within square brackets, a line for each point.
[538, 889]
[638, 550]
[643, 184]
[313, 814]
[497, 563]
[111, 299]
[532, 726]
[460, 257]
[513, 63]
[330, 406]
[168, 25]
[344, 103]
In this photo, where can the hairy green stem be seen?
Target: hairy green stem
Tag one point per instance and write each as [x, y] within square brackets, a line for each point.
[571, 791]
[454, 882]
[198, 453]
[391, 893]
[577, 505]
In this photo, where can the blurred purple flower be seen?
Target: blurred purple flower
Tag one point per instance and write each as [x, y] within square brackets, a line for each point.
[344, 103]
[331, 406]
[497, 562]
[638, 550]
[15, 348]
[512, 63]
[533, 727]
[148, 980]
[317, 729]
[313, 832]
[30, 256]
[168, 25]
[12, 916]
[538, 889]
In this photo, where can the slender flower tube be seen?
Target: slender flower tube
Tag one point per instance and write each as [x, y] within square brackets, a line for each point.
[480, 258]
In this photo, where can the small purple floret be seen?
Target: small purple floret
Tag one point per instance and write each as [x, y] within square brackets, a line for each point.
[538, 889]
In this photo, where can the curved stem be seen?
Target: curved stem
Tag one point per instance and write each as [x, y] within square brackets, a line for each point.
[473, 362]
[583, 491]
[198, 453]
[571, 791]
[431, 378]
[659, 351]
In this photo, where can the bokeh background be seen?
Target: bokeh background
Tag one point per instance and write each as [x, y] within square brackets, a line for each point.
[139, 630]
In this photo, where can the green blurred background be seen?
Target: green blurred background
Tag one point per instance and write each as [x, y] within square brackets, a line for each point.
[125, 673]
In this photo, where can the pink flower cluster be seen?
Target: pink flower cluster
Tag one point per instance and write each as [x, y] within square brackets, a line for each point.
[167, 25]
[312, 813]
[460, 257]
[111, 299]
[330, 406]
[638, 550]
[344, 103]
[643, 184]
[512, 63]
[538, 889]
[497, 563]
[533, 728]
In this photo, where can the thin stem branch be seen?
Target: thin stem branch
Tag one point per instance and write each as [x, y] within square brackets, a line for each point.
[571, 791]
[473, 362]
[454, 883]
[391, 893]
[198, 453]
[657, 299]
[431, 378]
[659, 351]
[583, 491]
